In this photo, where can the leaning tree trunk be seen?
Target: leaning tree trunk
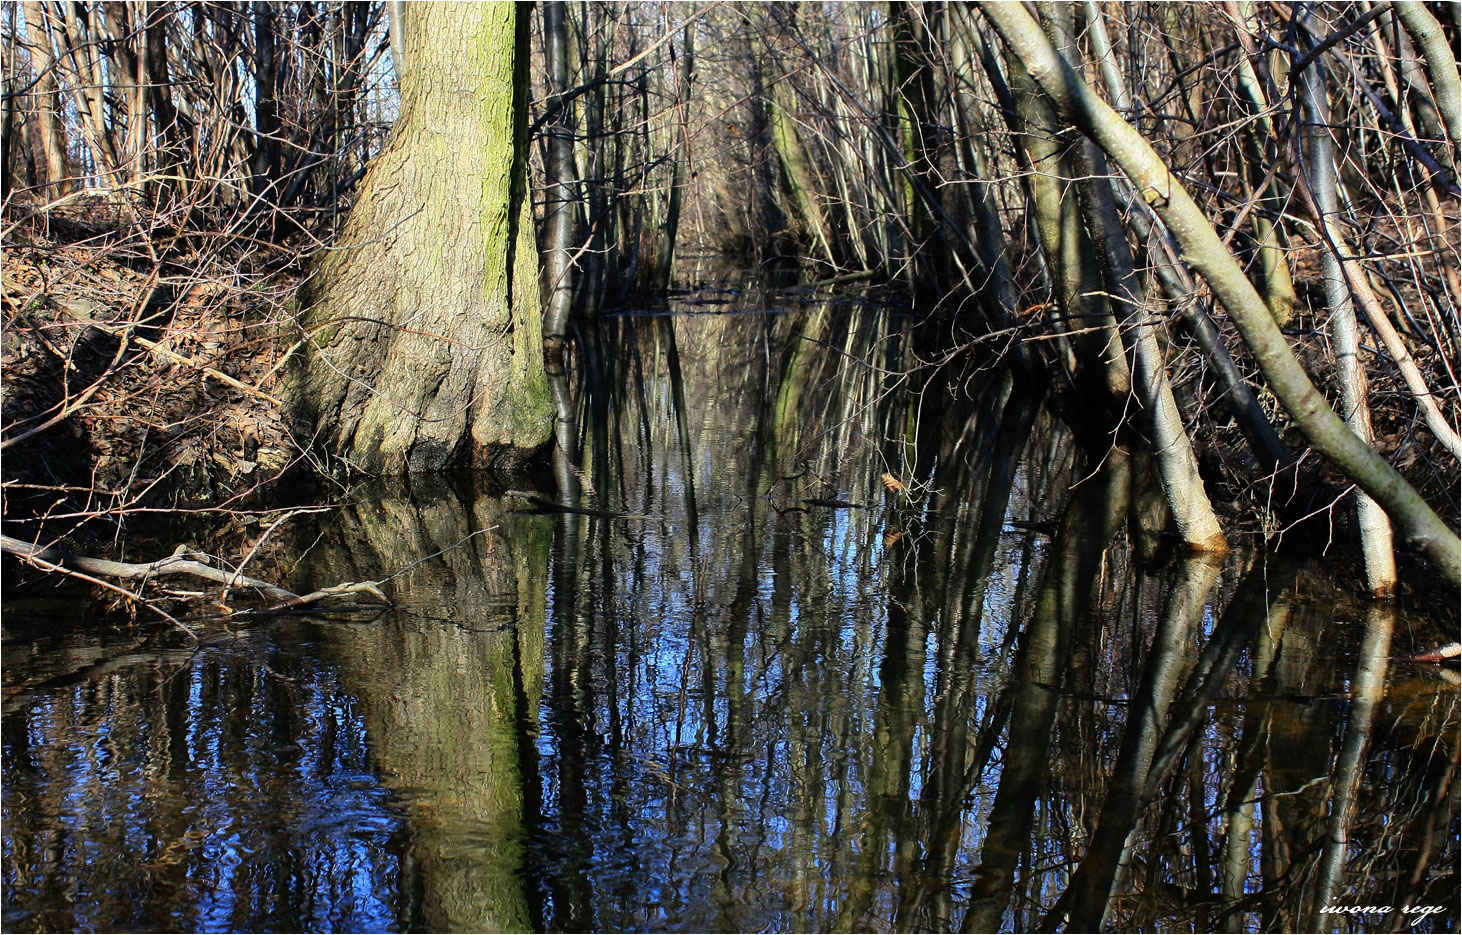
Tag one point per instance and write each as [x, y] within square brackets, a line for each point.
[423, 341]
[1412, 515]
[1440, 63]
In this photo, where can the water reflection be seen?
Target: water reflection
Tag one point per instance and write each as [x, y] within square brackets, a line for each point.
[792, 697]
[224, 790]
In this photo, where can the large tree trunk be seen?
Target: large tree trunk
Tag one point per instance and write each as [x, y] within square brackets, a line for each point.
[423, 333]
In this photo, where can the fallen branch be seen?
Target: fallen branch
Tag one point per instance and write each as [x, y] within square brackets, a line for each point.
[181, 562]
[304, 600]
[44, 565]
[1439, 654]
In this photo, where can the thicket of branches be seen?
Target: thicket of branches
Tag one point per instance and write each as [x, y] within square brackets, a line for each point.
[1009, 169]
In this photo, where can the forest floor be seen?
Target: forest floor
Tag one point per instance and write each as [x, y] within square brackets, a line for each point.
[140, 367]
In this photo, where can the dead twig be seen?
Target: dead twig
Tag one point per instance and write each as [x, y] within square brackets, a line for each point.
[339, 590]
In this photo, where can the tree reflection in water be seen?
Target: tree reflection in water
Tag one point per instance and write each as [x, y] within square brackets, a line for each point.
[984, 703]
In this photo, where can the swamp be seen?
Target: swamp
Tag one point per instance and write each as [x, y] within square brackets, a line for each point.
[685, 467]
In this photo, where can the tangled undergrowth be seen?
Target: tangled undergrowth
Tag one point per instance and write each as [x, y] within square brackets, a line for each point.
[140, 365]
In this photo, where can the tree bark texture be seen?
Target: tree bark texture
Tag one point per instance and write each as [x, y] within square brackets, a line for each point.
[423, 333]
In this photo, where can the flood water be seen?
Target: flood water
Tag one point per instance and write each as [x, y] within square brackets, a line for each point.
[782, 695]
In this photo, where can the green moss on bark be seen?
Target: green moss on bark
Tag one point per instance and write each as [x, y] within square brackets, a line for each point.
[425, 339]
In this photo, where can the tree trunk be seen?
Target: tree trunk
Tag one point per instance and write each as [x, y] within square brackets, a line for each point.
[172, 126]
[1441, 64]
[1177, 466]
[1263, 439]
[395, 9]
[1260, 148]
[911, 51]
[1375, 530]
[129, 58]
[781, 108]
[9, 126]
[424, 332]
[266, 107]
[1076, 284]
[90, 93]
[563, 201]
[680, 150]
[48, 98]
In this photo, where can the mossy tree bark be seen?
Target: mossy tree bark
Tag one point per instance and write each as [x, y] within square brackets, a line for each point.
[423, 332]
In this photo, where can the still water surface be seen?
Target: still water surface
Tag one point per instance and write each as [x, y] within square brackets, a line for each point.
[781, 696]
